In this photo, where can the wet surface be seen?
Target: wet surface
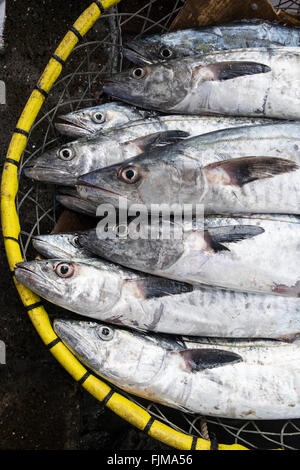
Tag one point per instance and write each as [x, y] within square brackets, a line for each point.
[41, 407]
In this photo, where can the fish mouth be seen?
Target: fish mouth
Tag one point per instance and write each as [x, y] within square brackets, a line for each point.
[64, 123]
[82, 183]
[133, 53]
[44, 247]
[118, 89]
[30, 279]
[48, 174]
[26, 274]
[70, 333]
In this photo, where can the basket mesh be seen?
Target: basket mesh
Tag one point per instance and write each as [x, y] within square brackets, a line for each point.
[100, 53]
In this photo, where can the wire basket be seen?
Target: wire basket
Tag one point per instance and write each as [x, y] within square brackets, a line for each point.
[34, 209]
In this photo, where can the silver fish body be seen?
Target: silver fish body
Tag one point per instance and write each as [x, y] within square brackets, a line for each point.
[63, 165]
[83, 122]
[230, 379]
[191, 41]
[244, 82]
[244, 170]
[114, 115]
[250, 254]
[107, 292]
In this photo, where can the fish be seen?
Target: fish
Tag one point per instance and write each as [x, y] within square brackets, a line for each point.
[83, 122]
[250, 254]
[105, 291]
[249, 379]
[63, 165]
[253, 169]
[192, 41]
[243, 82]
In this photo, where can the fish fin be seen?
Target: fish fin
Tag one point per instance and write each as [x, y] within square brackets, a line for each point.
[221, 71]
[157, 139]
[240, 171]
[215, 236]
[289, 338]
[200, 359]
[283, 289]
[150, 287]
[229, 70]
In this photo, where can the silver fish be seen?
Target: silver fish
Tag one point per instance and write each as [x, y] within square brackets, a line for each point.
[64, 164]
[230, 379]
[237, 35]
[244, 82]
[245, 170]
[99, 118]
[107, 292]
[245, 254]
[81, 123]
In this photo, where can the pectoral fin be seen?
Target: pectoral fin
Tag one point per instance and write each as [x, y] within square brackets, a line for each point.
[200, 359]
[221, 71]
[152, 287]
[230, 70]
[240, 171]
[215, 236]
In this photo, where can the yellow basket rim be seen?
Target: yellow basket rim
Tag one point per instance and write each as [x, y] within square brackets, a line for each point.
[122, 406]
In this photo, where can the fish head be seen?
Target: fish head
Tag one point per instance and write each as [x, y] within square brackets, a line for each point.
[150, 86]
[140, 246]
[95, 119]
[161, 176]
[72, 284]
[156, 49]
[59, 246]
[119, 355]
[65, 163]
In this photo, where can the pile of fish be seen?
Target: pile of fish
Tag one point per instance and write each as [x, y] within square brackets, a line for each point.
[206, 322]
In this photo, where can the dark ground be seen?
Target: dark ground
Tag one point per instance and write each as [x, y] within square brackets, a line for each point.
[41, 407]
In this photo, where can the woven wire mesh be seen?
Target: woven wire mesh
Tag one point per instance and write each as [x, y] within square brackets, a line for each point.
[100, 53]
[291, 6]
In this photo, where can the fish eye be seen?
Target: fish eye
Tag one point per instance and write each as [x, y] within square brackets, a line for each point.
[130, 174]
[105, 333]
[165, 53]
[75, 242]
[66, 153]
[98, 117]
[64, 270]
[138, 72]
